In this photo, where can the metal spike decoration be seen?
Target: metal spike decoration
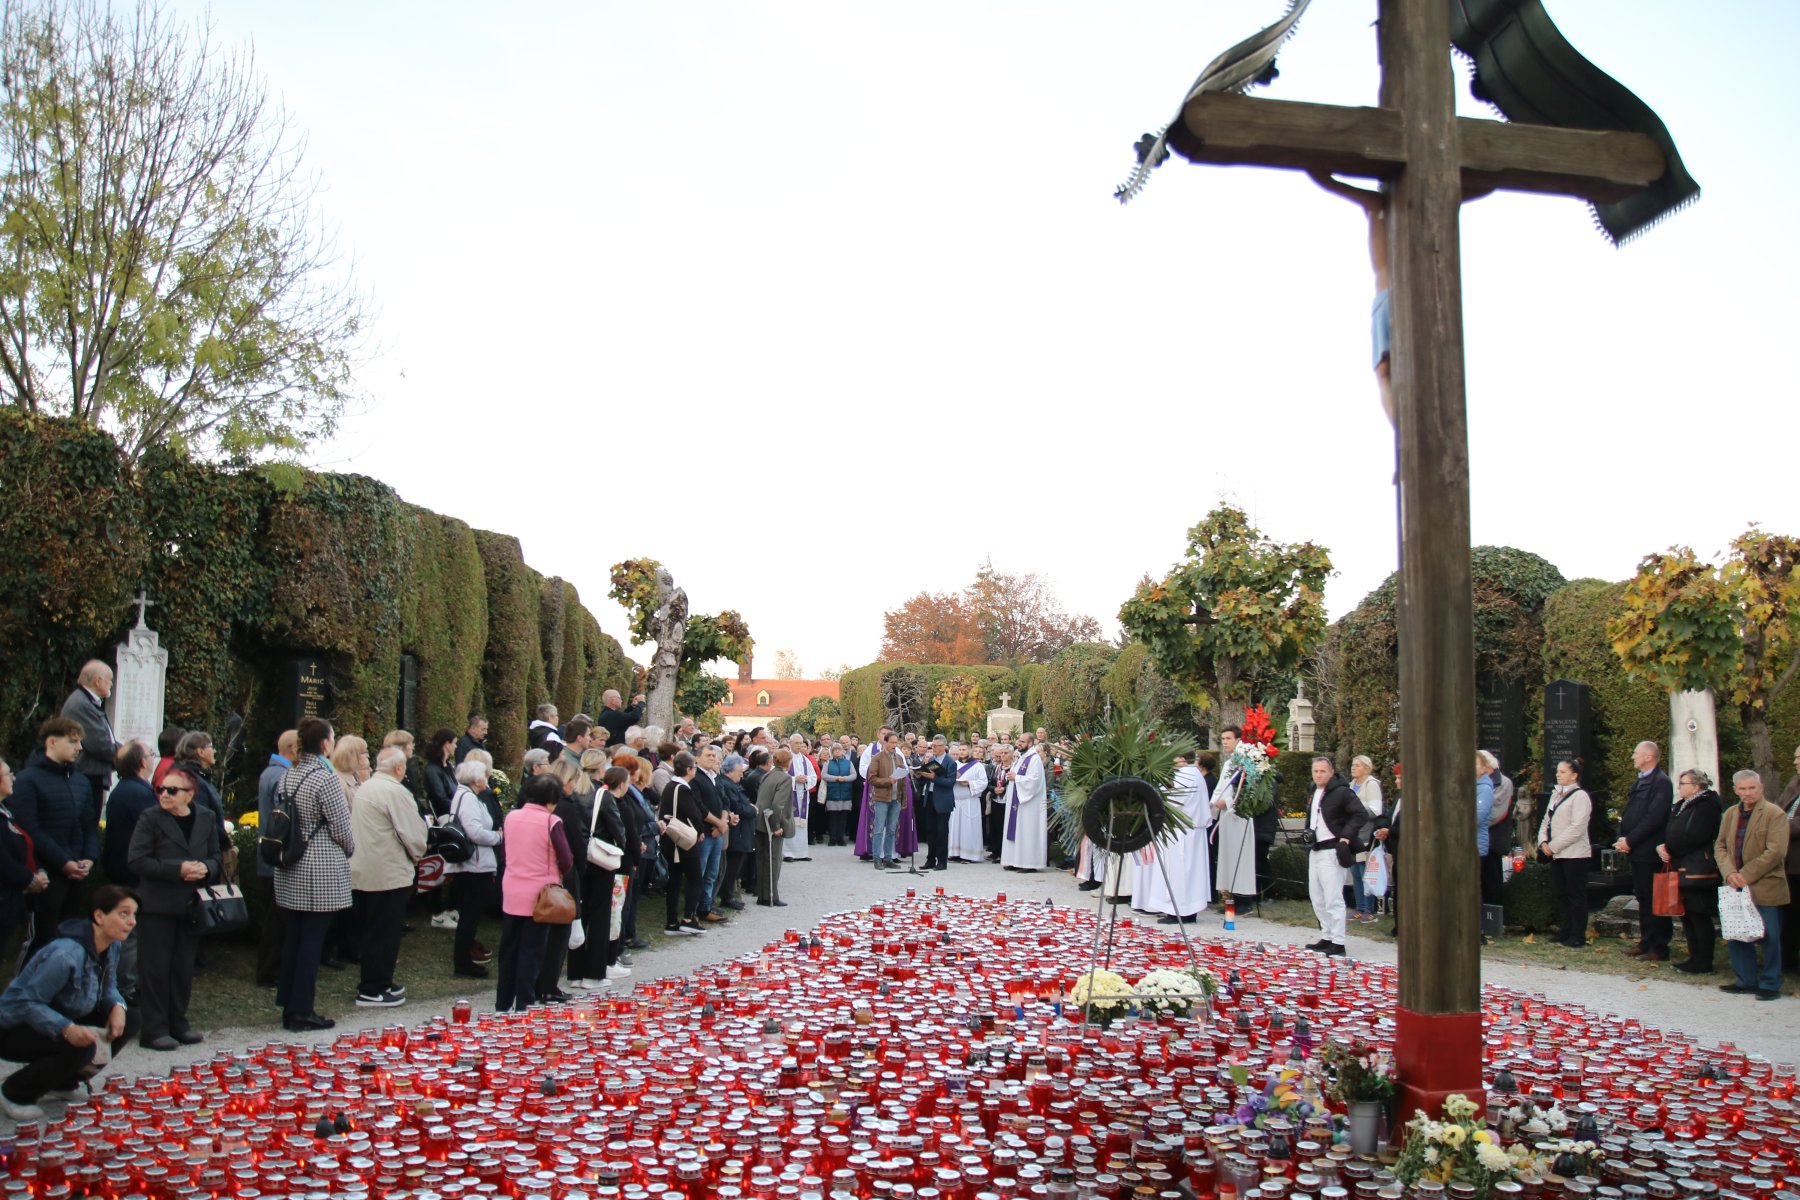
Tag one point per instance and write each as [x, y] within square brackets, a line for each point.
[1250, 62]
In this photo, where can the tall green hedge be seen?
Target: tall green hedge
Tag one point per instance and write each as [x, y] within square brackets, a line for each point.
[1075, 686]
[73, 548]
[250, 569]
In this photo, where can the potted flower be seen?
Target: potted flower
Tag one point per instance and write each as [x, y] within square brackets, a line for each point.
[1359, 1076]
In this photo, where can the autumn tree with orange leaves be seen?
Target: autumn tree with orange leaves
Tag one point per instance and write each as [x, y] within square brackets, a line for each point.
[999, 618]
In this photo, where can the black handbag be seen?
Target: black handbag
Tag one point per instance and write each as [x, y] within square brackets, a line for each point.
[449, 841]
[220, 909]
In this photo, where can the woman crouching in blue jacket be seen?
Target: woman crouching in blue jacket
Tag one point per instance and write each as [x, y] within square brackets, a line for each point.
[62, 1003]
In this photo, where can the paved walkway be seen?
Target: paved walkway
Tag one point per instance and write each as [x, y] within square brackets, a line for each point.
[835, 881]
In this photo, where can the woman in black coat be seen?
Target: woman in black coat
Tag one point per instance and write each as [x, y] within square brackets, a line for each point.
[174, 852]
[590, 964]
[740, 850]
[680, 800]
[1688, 846]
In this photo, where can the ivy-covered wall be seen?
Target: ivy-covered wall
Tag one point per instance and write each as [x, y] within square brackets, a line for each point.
[251, 569]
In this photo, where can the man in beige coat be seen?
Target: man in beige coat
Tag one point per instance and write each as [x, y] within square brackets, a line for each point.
[1752, 853]
[390, 840]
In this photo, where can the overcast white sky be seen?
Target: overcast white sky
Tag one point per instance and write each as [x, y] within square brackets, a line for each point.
[857, 267]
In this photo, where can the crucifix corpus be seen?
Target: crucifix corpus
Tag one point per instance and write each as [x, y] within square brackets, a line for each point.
[1574, 131]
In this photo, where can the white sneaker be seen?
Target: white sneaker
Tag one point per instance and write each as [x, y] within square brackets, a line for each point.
[444, 920]
[617, 972]
[75, 1095]
[586, 985]
[19, 1112]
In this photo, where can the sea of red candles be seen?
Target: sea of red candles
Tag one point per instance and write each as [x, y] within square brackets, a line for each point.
[919, 1048]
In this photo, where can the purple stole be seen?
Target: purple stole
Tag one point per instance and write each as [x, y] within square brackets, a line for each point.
[1012, 817]
[800, 793]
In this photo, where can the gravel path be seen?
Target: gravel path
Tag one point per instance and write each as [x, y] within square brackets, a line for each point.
[835, 881]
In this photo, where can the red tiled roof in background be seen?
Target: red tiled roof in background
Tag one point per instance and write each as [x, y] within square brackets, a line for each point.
[786, 696]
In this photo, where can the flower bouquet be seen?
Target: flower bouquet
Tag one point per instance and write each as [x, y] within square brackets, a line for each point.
[1527, 1121]
[1175, 993]
[1458, 1150]
[1289, 1094]
[1101, 996]
[1254, 762]
[1357, 1072]
[502, 787]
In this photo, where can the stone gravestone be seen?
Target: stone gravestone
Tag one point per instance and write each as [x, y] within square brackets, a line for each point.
[1005, 721]
[305, 692]
[140, 674]
[1694, 735]
[1301, 726]
[1500, 723]
[1568, 726]
[406, 705]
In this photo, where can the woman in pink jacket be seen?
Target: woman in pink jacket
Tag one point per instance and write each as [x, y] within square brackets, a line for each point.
[537, 854]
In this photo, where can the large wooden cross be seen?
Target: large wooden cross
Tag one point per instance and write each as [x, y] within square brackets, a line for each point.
[1430, 159]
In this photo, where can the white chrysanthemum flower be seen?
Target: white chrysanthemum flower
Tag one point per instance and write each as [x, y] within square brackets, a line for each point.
[1492, 1157]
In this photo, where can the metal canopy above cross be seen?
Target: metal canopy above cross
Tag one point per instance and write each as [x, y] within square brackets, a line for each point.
[1590, 138]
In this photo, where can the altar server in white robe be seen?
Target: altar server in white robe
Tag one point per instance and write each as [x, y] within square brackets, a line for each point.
[965, 821]
[806, 780]
[1237, 835]
[1183, 856]
[1025, 844]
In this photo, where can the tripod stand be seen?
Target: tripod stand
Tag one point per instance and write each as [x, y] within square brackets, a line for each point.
[912, 856]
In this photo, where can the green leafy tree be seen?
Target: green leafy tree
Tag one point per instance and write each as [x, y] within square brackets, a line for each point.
[165, 275]
[708, 640]
[1734, 628]
[1238, 606]
[819, 718]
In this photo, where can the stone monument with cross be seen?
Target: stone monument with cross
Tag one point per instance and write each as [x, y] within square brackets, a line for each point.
[140, 674]
[1573, 131]
[1005, 721]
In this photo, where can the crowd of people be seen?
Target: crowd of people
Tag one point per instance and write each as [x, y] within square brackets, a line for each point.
[611, 815]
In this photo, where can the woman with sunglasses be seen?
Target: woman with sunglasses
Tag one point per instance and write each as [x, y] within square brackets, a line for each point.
[174, 851]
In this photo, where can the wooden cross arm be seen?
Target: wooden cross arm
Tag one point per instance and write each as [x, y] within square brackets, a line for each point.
[1230, 130]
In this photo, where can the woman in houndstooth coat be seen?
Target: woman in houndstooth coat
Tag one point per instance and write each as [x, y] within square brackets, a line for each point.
[312, 890]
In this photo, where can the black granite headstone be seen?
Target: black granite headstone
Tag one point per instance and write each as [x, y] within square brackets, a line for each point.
[1568, 725]
[305, 690]
[1500, 711]
[406, 705]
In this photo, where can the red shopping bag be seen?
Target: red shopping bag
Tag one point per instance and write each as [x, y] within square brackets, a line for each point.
[1665, 901]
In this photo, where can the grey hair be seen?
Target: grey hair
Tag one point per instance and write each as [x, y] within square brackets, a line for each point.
[1700, 778]
[1653, 748]
[546, 712]
[1324, 758]
[632, 732]
[480, 756]
[1488, 760]
[656, 735]
[191, 744]
[390, 758]
[733, 762]
[1738, 777]
[536, 758]
[1364, 761]
[470, 773]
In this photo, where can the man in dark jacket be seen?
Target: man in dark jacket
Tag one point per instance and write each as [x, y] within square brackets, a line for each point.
[1641, 829]
[86, 706]
[1334, 817]
[616, 720]
[274, 923]
[474, 737]
[54, 804]
[941, 769]
[711, 850]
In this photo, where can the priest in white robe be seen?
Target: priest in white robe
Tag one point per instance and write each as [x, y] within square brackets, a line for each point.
[1237, 835]
[965, 821]
[1025, 843]
[1182, 887]
[806, 782]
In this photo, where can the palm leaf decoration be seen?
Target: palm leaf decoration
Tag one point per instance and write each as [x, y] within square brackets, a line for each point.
[1128, 746]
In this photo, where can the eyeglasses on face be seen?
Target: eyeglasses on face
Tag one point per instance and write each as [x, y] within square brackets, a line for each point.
[166, 790]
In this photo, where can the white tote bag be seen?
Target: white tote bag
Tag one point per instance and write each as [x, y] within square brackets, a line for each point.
[1738, 918]
[1375, 872]
[577, 934]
